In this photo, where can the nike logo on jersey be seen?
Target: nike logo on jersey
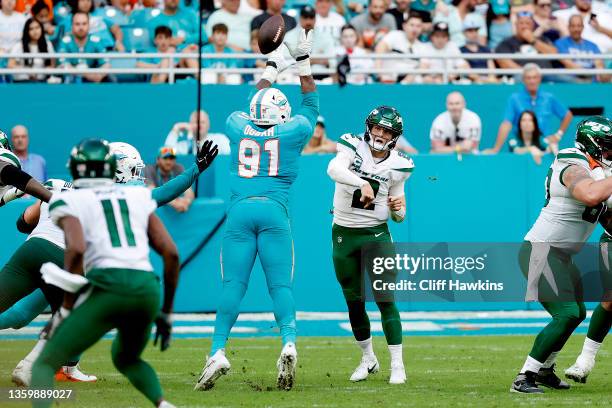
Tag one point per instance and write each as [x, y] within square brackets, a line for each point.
[379, 234]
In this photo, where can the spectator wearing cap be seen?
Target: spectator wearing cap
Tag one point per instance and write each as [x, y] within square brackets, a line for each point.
[319, 143]
[229, 14]
[322, 43]
[328, 20]
[165, 169]
[457, 129]
[473, 46]
[575, 44]
[524, 41]
[182, 137]
[405, 41]
[440, 45]
[349, 47]
[547, 25]
[374, 23]
[544, 104]
[400, 12]
[275, 8]
[597, 21]
[455, 14]
[498, 22]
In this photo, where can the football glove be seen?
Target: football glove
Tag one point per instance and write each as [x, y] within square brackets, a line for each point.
[206, 155]
[163, 330]
[12, 194]
[301, 52]
[275, 64]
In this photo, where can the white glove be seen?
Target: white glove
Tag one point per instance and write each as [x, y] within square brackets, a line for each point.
[12, 194]
[301, 52]
[276, 64]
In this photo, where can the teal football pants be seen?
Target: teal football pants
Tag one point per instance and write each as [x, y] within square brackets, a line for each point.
[256, 225]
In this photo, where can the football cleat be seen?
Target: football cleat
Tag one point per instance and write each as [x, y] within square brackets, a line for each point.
[526, 384]
[286, 367]
[548, 378]
[22, 374]
[580, 370]
[165, 404]
[73, 374]
[368, 365]
[398, 374]
[215, 367]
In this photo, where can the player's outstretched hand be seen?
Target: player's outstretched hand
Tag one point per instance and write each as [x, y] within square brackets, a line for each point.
[206, 155]
[303, 48]
[367, 195]
[275, 64]
[163, 325]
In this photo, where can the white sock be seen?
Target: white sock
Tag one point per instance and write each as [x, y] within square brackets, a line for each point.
[396, 354]
[366, 347]
[590, 348]
[550, 360]
[531, 364]
[40, 344]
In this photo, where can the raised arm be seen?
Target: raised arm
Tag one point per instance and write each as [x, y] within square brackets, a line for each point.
[13, 176]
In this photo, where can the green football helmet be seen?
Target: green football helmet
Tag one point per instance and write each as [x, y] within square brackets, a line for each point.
[594, 136]
[388, 118]
[4, 141]
[92, 159]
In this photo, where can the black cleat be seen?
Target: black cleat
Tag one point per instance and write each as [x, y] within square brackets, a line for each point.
[548, 378]
[526, 384]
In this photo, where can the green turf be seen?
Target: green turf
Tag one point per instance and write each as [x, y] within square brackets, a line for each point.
[443, 371]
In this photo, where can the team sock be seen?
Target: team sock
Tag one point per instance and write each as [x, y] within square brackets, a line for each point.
[531, 364]
[33, 355]
[590, 349]
[396, 354]
[366, 347]
[600, 324]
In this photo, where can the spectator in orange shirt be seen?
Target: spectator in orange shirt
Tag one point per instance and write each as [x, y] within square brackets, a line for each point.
[24, 6]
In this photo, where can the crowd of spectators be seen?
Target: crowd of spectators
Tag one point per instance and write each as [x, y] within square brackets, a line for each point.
[348, 31]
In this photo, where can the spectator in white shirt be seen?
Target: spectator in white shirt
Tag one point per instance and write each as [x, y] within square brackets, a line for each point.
[597, 19]
[229, 14]
[11, 26]
[183, 140]
[440, 45]
[32, 41]
[457, 129]
[349, 49]
[404, 41]
[328, 20]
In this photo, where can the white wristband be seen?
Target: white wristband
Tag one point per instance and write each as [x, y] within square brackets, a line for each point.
[270, 74]
[303, 67]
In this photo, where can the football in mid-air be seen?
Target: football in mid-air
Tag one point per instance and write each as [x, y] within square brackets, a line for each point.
[271, 34]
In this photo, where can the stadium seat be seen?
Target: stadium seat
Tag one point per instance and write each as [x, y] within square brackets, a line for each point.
[126, 63]
[140, 18]
[117, 18]
[60, 12]
[136, 39]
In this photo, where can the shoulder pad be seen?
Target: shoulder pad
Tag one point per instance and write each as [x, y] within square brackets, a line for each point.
[9, 157]
[575, 156]
[350, 140]
[402, 163]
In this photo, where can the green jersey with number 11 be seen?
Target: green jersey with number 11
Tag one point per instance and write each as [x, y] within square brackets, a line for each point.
[386, 177]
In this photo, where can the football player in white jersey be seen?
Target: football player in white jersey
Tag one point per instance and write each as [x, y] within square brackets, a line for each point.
[108, 229]
[14, 182]
[370, 176]
[576, 193]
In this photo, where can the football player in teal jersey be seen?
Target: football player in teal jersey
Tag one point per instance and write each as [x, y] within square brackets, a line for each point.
[265, 145]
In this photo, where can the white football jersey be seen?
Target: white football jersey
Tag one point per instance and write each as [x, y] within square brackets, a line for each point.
[395, 169]
[563, 219]
[46, 229]
[115, 221]
[468, 128]
[10, 158]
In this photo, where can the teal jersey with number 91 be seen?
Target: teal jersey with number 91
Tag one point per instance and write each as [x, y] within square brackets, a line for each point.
[265, 161]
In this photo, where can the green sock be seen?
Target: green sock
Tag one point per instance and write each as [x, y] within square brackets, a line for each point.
[601, 321]
[360, 323]
[392, 325]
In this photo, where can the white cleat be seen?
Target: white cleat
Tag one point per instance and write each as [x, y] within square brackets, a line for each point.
[286, 367]
[165, 404]
[398, 374]
[215, 367]
[22, 374]
[73, 374]
[580, 370]
[368, 365]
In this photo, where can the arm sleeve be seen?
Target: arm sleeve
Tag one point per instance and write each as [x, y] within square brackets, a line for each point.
[397, 190]
[175, 187]
[338, 170]
[310, 107]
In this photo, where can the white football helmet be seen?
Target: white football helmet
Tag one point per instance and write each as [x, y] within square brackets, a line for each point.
[129, 164]
[269, 106]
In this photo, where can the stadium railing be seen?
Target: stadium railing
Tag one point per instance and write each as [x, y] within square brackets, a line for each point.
[446, 71]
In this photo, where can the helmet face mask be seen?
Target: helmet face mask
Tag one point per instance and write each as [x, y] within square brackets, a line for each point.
[4, 141]
[268, 107]
[387, 118]
[594, 137]
[91, 162]
[130, 167]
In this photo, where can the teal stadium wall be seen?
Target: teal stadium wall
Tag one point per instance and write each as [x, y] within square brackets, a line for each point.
[477, 199]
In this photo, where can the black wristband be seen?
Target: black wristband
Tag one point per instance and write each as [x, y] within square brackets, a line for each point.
[271, 64]
[302, 57]
[12, 176]
[23, 226]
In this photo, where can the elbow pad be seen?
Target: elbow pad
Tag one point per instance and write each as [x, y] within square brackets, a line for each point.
[23, 226]
[12, 176]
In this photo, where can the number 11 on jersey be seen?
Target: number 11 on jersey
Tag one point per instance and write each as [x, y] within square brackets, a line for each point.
[249, 157]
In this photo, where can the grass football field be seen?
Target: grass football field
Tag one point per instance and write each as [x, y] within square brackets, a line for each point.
[442, 371]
